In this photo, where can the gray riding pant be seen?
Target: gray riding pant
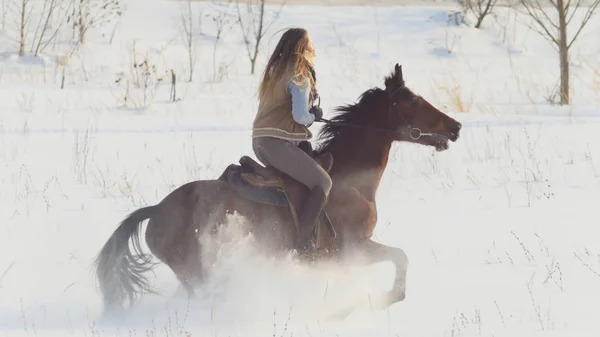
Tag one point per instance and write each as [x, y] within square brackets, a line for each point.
[290, 159]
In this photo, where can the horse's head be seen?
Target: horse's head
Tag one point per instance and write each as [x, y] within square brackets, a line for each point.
[415, 119]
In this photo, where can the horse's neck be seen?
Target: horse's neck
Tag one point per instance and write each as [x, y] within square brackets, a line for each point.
[360, 167]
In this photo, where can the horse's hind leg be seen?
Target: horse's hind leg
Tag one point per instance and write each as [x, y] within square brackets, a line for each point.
[185, 262]
[180, 252]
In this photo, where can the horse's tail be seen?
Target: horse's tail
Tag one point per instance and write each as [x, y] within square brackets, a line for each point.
[118, 270]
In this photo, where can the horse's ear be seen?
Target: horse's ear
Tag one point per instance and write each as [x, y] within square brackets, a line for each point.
[394, 80]
[399, 75]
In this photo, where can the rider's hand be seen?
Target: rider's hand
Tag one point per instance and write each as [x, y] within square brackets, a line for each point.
[317, 112]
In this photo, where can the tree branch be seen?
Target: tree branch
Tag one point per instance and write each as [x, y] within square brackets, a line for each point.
[584, 22]
[531, 6]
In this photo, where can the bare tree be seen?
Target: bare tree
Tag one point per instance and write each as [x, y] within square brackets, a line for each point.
[4, 9]
[255, 29]
[88, 14]
[49, 10]
[479, 8]
[49, 21]
[188, 30]
[223, 21]
[555, 30]
[43, 23]
[22, 25]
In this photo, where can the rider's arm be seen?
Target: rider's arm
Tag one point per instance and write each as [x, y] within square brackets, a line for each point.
[300, 97]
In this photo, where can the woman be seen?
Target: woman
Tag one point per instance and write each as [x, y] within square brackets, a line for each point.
[286, 94]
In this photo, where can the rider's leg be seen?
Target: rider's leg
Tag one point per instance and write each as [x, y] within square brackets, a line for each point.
[290, 159]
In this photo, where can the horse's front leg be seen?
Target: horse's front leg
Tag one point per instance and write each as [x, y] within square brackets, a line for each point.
[368, 252]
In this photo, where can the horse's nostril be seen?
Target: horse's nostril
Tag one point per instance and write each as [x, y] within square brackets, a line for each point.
[455, 129]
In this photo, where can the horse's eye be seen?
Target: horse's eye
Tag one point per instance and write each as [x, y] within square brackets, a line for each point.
[414, 100]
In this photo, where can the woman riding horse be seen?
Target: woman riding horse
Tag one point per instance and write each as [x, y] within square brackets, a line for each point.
[285, 111]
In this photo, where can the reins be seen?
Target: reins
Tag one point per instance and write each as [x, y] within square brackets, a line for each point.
[409, 130]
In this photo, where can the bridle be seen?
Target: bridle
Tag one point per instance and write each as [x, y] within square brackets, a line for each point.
[408, 130]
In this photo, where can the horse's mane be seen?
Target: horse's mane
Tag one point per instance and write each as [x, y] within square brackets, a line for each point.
[355, 114]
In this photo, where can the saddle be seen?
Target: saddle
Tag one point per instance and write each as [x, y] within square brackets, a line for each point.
[267, 185]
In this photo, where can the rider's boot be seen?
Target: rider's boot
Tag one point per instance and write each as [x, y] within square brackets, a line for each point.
[307, 219]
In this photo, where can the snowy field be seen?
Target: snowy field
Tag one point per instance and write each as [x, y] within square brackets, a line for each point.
[501, 230]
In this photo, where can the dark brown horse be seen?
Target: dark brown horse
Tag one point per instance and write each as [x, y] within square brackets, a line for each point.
[355, 151]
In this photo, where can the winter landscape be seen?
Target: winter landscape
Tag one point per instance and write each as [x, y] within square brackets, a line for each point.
[501, 230]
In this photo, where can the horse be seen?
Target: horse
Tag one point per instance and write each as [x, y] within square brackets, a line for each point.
[354, 150]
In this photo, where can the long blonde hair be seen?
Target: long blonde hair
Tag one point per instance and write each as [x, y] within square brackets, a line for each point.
[293, 48]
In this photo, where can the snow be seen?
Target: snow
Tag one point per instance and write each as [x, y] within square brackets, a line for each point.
[500, 230]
